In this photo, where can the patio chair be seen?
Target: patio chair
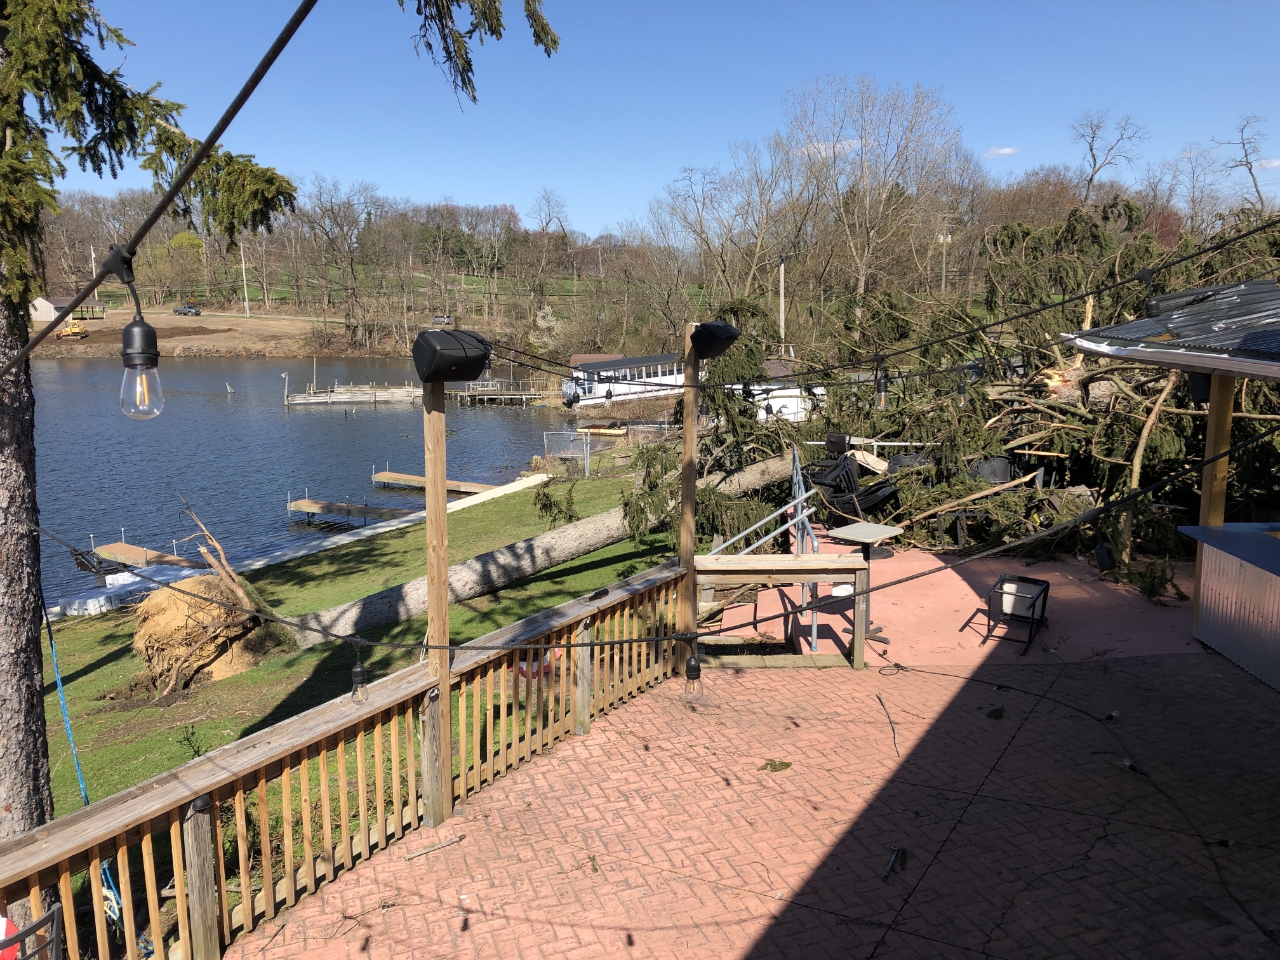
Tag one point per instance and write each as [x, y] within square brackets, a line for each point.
[49, 948]
[1024, 599]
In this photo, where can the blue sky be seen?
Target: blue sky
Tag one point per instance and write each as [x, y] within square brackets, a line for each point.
[641, 89]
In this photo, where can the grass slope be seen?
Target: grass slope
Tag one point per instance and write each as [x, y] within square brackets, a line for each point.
[125, 739]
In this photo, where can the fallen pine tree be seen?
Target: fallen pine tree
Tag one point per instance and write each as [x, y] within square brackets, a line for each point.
[498, 569]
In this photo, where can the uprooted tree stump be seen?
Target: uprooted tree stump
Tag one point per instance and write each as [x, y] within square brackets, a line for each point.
[207, 626]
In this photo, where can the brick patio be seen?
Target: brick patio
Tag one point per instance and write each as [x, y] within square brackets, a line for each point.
[1026, 834]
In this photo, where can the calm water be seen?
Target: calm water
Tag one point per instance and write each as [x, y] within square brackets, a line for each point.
[237, 457]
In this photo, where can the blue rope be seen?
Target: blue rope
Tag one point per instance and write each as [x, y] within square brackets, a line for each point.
[112, 903]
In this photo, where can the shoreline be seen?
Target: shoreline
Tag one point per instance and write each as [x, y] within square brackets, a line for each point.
[215, 334]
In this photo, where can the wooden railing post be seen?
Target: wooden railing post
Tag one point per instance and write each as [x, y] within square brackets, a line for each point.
[433, 790]
[437, 527]
[687, 610]
[583, 678]
[202, 884]
[861, 611]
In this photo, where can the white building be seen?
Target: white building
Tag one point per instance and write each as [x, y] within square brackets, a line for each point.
[44, 309]
[624, 378]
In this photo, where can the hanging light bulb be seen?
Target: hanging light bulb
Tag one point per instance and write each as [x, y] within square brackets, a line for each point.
[359, 682]
[768, 409]
[882, 392]
[140, 395]
[962, 394]
[747, 392]
[608, 394]
[693, 689]
[704, 409]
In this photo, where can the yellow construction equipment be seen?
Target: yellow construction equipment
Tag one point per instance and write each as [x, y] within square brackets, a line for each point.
[72, 328]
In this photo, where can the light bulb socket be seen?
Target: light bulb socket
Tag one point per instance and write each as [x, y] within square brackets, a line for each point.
[359, 675]
[692, 669]
[139, 346]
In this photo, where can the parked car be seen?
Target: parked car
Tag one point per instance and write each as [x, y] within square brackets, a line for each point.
[442, 321]
[187, 310]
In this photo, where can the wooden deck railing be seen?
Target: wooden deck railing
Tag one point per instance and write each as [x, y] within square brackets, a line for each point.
[206, 852]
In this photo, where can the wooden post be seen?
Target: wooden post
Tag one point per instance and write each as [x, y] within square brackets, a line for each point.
[202, 884]
[1213, 481]
[861, 611]
[437, 748]
[688, 608]
[583, 658]
[435, 793]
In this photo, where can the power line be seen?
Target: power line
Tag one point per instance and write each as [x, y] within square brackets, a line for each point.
[206, 147]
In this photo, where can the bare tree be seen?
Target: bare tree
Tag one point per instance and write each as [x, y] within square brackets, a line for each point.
[1105, 144]
[1248, 142]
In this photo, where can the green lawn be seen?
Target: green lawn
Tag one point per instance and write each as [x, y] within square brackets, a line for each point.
[123, 740]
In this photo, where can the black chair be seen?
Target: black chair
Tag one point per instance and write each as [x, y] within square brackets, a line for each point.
[1024, 599]
[50, 948]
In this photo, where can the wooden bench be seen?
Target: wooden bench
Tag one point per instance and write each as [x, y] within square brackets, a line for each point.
[788, 570]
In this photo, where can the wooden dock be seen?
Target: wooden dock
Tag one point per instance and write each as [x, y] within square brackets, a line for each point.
[390, 478]
[131, 555]
[373, 393]
[358, 511]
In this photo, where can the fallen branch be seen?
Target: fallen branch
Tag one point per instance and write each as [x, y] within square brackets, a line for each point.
[971, 497]
[892, 727]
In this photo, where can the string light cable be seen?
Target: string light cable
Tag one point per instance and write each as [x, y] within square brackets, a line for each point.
[202, 152]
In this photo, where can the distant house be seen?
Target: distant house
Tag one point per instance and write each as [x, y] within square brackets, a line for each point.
[629, 378]
[44, 309]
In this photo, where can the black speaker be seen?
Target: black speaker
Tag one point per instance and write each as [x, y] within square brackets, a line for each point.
[440, 355]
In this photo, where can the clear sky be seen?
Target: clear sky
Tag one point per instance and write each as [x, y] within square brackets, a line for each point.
[642, 88]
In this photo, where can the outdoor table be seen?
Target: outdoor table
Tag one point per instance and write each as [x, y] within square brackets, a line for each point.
[867, 535]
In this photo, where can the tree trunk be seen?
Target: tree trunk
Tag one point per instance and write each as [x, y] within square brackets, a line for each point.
[500, 568]
[25, 797]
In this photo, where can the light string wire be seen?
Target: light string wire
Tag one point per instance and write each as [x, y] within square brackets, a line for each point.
[1088, 516]
[206, 147]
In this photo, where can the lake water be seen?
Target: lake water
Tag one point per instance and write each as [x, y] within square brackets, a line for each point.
[237, 457]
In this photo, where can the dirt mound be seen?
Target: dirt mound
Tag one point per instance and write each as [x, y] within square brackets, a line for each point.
[180, 636]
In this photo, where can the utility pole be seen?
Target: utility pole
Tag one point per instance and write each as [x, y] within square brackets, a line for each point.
[782, 301]
[944, 239]
[244, 277]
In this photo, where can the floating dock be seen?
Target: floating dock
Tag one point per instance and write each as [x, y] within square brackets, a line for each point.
[497, 392]
[390, 478]
[131, 555]
[358, 511]
[373, 393]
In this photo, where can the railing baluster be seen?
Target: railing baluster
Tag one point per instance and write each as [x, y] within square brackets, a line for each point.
[36, 899]
[344, 801]
[326, 812]
[242, 849]
[69, 907]
[460, 717]
[224, 904]
[264, 833]
[526, 750]
[476, 709]
[126, 897]
[99, 914]
[379, 805]
[179, 886]
[308, 847]
[397, 814]
[286, 815]
[411, 763]
[489, 719]
[504, 725]
[362, 790]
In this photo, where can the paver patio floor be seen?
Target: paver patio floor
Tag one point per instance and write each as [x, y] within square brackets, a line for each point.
[1031, 827]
